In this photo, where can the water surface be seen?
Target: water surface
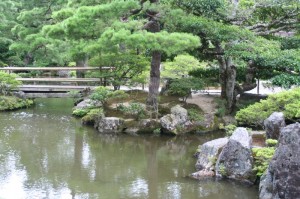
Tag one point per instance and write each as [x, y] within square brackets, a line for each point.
[46, 153]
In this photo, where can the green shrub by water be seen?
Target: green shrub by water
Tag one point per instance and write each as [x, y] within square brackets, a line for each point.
[92, 115]
[262, 158]
[80, 112]
[12, 103]
[287, 102]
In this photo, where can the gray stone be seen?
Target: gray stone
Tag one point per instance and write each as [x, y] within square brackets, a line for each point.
[20, 94]
[176, 122]
[207, 157]
[145, 126]
[88, 103]
[282, 179]
[235, 160]
[109, 125]
[273, 125]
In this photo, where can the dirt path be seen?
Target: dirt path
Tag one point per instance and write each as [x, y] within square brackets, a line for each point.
[204, 101]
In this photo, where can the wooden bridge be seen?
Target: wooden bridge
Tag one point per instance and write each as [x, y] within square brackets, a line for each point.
[55, 87]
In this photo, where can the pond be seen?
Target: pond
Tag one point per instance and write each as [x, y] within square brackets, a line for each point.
[47, 153]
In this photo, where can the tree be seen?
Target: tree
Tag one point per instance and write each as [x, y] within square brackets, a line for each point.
[226, 29]
[118, 25]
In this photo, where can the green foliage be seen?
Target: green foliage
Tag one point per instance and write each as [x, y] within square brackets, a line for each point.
[137, 110]
[8, 82]
[195, 115]
[92, 116]
[271, 142]
[229, 129]
[157, 131]
[12, 103]
[80, 112]
[103, 94]
[180, 67]
[183, 87]
[262, 158]
[287, 102]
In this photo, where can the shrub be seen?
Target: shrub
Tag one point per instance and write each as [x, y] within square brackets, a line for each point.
[262, 158]
[80, 112]
[229, 129]
[286, 102]
[103, 94]
[92, 115]
[183, 87]
[195, 115]
[138, 110]
[8, 82]
[271, 142]
[12, 103]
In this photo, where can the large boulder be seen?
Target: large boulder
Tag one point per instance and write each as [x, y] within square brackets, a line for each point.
[273, 125]
[109, 125]
[235, 160]
[282, 179]
[176, 122]
[207, 157]
[88, 103]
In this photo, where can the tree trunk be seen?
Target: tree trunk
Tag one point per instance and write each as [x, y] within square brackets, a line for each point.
[154, 26]
[154, 80]
[81, 63]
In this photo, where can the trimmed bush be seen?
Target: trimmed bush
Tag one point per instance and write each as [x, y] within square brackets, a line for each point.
[286, 102]
[80, 112]
[12, 103]
[92, 115]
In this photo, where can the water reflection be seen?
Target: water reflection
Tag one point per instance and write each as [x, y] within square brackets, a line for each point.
[45, 153]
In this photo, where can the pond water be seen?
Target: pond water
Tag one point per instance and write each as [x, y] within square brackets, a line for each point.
[46, 153]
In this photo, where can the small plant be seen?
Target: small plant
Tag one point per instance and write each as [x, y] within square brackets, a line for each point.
[271, 142]
[137, 110]
[262, 158]
[157, 131]
[103, 94]
[229, 129]
[195, 115]
[222, 169]
[92, 116]
[80, 112]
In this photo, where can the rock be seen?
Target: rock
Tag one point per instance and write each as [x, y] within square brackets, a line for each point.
[109, 125]
[273, 125]
[20, 94]
[207, 157]
[88, 103]
[282, 179]
[64, 73]
[176, 122]
[145, 126]
[235, 160]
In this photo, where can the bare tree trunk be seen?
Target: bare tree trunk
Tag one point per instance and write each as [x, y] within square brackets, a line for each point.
[154, 80]
[81, 63]
[153, 25]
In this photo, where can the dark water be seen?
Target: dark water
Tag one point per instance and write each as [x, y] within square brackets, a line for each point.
[46, 153]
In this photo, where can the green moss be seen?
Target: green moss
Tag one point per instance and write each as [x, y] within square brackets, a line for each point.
[262, 158]
[92, 115]
[286, 102]
[271, 142]
[195, 115]
[12, 103]
[229, 129]
[80, 112]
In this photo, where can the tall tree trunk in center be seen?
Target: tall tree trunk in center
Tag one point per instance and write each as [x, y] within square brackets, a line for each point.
[81, 62]
[154, 26]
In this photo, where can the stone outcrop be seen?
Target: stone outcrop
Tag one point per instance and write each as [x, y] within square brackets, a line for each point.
[144, 126]
[282, 179]
[176, 122]
[88, 103]
[273, 125]
[207, 157]
[109, 125]
[235, 160]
